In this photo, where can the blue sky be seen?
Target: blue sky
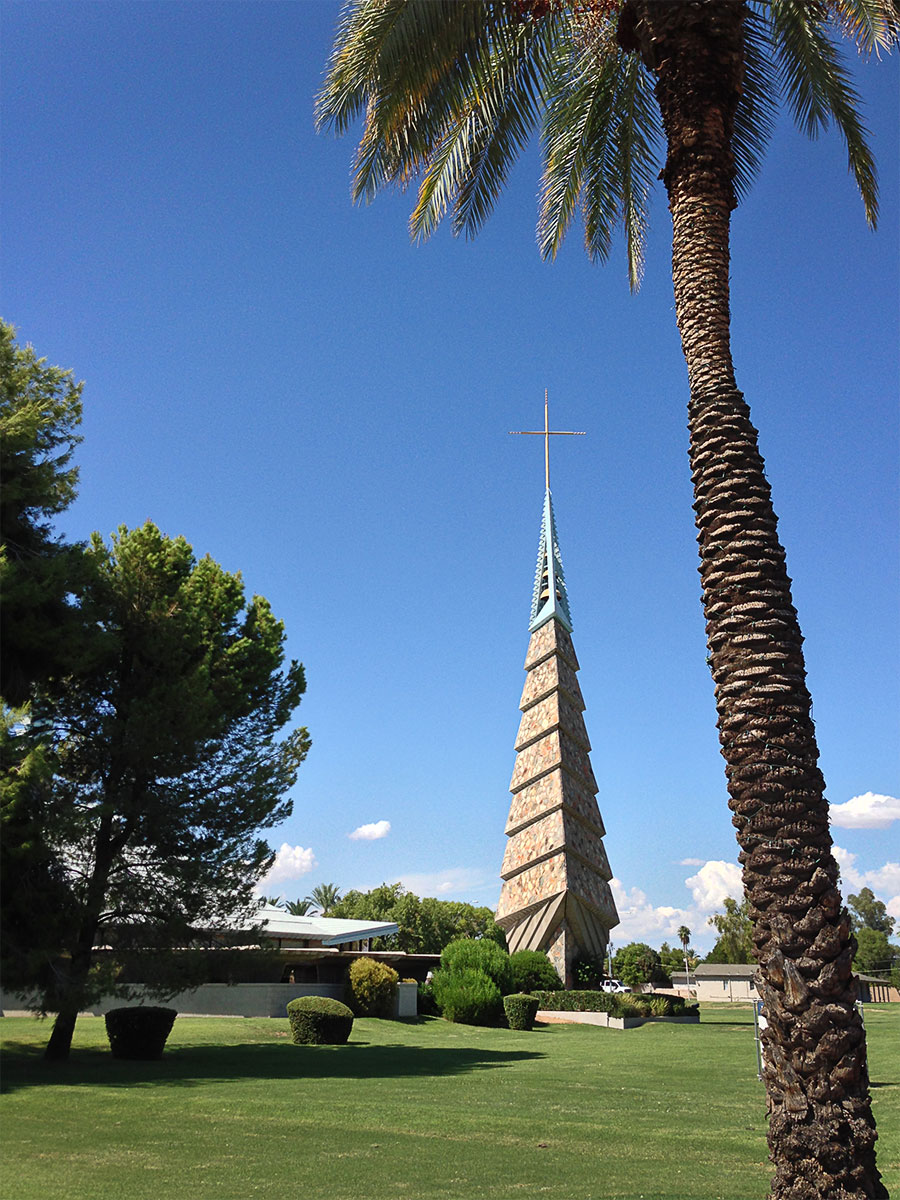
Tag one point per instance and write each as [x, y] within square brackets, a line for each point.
[286, 380]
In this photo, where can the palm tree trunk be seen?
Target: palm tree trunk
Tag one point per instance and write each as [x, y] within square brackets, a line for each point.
[821, 1129]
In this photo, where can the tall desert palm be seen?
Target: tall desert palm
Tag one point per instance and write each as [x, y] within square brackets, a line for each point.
[324, 897]
[684, 936]
[450, 91]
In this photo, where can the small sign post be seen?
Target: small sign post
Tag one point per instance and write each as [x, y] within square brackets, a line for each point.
[759, 1024]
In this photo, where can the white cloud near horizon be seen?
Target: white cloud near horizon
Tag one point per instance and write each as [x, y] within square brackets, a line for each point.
[290, 863]
[642, 921]
[452, 882]
[371, 832]
[884, 881]
[868, 811]
[714, 882]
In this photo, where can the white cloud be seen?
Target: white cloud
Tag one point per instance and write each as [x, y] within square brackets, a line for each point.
[691, 862]
[868, 811]
[290, 863]
[642, 921]
[884, 881]
[371, 832]
[713, 882]
[453, 883]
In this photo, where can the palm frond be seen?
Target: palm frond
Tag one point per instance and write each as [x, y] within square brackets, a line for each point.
[636, 162]
[818, 88]
[507, 117]
[873, 24]
[495, 109]
[395, 60]
[758, 105]
[599, 131]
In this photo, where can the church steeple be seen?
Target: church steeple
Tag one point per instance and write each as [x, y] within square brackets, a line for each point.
[556, 895]
[550, 599]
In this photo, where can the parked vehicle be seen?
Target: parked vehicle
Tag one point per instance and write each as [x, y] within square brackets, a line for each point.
[613, 985]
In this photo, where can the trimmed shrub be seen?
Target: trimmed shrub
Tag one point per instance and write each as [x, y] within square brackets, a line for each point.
[371, 988]
[319, 1021]
[660, 1006]
[467, 996]
[479, 955]
[533, 971]
[577, 1002]
[520, 1010]
[139, 1033]
[428, 1006]
[630, 1006]
[587, 973]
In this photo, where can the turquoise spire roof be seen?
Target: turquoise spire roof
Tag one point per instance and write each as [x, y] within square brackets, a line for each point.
[550, 597]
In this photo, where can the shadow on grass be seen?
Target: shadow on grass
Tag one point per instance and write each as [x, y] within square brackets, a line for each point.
[192, 1066]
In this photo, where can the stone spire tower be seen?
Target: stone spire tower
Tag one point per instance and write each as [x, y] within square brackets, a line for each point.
[555, 895]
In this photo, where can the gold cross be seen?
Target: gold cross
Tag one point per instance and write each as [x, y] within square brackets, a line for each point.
[546, 433]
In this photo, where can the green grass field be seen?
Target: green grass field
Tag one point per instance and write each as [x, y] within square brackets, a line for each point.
[407, 1111]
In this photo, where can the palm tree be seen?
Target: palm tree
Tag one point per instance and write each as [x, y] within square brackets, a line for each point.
[450, 91]
[684, 936]
[299, 908]
[324, 897]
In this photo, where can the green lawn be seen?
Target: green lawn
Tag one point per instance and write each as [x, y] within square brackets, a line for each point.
[407, 1111]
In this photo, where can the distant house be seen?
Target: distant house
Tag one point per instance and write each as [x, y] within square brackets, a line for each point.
[311, 932]
[731, 982]
[877, 991]
[315, 949]
[728, 982]
[302, 956]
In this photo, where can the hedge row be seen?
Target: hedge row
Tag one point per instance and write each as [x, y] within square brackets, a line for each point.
[645, 1004]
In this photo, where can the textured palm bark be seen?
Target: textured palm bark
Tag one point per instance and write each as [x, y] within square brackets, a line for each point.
[821, 1129]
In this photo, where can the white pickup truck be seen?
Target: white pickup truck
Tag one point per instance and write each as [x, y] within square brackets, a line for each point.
[613, 985]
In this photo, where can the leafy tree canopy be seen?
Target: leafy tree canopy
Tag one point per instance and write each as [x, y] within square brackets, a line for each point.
[167, 759]
[40, 412]
[639, 963]
[426, 925]
[875, 954]
[869, 913]
[735, 941]
[671, 959]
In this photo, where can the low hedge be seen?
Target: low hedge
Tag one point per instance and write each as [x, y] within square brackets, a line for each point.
[576, 1001]
[319, 1021]
[617, 1004]
[520, 1010]
[139, 1033]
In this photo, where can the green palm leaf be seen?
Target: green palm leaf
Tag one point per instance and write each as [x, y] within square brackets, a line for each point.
[817, 87]
[600, 129]
[758, 106]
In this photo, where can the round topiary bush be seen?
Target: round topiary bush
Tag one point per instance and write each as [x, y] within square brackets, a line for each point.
[520, 1009]
[319, 1021]
[533, 971]
[139, 1033]
[371, 988]
[479, 954]
[468, 996]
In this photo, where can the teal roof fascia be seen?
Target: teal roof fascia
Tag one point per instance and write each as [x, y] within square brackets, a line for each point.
[549, 578]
